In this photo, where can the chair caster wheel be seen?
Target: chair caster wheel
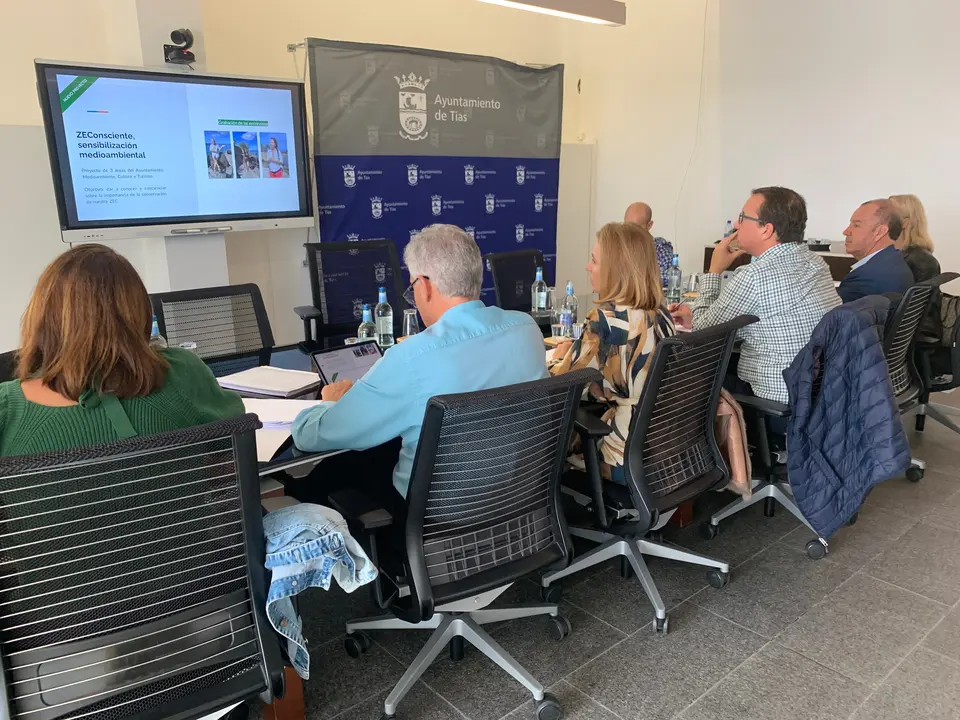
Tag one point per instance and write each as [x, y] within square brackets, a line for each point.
[717, 579]
[559, 628]
[915, 474]
[853, 518]
[709, 531]
[356, 644]
[387, 717]
[661, 625]
[816, 549]
[551, 594]
[549, 708]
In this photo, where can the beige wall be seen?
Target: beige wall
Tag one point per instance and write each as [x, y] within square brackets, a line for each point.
[638, 98]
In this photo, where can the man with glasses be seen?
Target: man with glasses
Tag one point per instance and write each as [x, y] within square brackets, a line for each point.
[466, 346]
[786, 285]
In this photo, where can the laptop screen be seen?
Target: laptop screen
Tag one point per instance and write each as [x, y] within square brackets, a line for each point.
[350, 362]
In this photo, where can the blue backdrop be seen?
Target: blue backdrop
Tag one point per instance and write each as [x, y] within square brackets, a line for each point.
[405, 138]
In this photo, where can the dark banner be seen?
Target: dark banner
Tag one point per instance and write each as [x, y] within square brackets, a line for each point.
[404, 138]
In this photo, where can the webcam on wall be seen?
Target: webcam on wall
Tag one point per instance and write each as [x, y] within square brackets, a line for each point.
[179, 53]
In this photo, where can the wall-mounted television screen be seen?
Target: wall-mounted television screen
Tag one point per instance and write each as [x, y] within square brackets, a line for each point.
[141, 152]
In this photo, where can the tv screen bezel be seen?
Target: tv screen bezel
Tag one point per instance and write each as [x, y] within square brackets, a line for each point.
[143, 227]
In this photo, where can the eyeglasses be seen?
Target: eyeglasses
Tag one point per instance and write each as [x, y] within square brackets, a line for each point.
[408, 295]
[743, 217]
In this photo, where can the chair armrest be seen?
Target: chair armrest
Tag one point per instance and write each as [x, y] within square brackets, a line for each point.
[360, 509]
[767, 407]
[308, 312]
[591, 427]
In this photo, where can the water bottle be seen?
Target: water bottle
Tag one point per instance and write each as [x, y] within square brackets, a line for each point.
[674, 281]
[367, 330]
[156, 339]
[728, 229]
[570, 303]
[538, 293]
[566, 322]
[384, 315]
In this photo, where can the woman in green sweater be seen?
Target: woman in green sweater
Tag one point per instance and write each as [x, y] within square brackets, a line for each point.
[87, 372]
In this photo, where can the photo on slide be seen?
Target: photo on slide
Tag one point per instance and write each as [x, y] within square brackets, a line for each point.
[273, 155]
[246, 155]
[219, 154]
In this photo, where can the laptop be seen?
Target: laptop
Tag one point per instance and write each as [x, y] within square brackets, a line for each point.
[347, 362]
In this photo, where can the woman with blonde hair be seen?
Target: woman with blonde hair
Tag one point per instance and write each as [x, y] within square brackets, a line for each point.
[914, 241]
[620, 334]
[87, 372]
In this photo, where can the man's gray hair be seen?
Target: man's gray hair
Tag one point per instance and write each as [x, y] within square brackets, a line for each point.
[449, 257]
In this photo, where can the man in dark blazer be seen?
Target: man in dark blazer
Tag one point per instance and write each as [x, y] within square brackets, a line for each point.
[880, 268]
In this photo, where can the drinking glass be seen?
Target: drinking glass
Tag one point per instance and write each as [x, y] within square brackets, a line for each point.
[410, 324]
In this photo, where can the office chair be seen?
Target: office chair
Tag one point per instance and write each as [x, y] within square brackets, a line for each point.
[938, 362]
[770, 453]
[343, 277]
[483, 511]
[8, 366]
[132, 579]
[229, 324]
[671, 457]
[513, 275]
[898, 348]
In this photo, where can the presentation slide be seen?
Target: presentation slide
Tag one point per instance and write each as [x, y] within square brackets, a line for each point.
[161, 149]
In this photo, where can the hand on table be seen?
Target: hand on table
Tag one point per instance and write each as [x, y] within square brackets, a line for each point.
[682, 315]
[335, 391]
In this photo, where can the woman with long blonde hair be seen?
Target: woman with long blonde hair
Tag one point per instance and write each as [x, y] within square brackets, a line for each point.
[914, 241]
[621, 333]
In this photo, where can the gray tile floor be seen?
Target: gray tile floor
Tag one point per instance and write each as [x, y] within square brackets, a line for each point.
[868, 633]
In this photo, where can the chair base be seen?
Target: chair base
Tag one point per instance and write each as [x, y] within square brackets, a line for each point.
[772, 491]
[448, 626]
[633, 550]
[940, 413]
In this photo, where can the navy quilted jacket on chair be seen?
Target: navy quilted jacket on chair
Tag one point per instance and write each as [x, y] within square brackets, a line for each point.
[847, 436]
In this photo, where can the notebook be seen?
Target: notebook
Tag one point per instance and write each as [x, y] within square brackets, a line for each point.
[271, 381]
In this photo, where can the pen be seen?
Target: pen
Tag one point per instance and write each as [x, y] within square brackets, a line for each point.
[334, 378]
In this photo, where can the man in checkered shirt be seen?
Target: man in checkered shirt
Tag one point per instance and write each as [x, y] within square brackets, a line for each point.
[640, 214]
[786, 285]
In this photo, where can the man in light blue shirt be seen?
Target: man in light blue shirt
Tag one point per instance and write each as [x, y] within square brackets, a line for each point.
[465, 347]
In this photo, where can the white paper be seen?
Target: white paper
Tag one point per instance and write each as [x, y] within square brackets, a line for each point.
[270, 381]
[268, 442]
[277, 416]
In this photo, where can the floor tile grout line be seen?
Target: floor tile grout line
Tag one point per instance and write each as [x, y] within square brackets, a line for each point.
[816, 662]
[591, 699]
[734, 622]
[907, 590]
[953, 661]
[939, 523]
[711, 688]
[902, 660]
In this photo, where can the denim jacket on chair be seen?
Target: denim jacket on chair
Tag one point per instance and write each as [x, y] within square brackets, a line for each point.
[307, 545]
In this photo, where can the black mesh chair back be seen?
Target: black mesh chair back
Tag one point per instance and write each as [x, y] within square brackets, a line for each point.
[345, 275]
[513, 274]
[900, 333]
[671, 453]
[483, 504]
[132, 582]
[223, 321]
[8, 366]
